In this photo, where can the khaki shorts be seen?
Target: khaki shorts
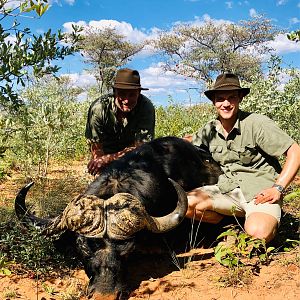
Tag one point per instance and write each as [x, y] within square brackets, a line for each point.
[234, 203]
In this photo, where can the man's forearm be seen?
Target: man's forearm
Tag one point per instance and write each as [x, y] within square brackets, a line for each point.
[96, 150]
[127, 149]
[98, 153]
[291, 166]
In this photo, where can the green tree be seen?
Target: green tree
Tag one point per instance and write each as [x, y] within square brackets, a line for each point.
[179, 120]
[294, 36]
[201, 51]
[276, 95]
[106, 50]
[50, 124]
[23, 53]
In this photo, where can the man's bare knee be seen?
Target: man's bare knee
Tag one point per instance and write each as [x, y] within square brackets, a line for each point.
[261, 226]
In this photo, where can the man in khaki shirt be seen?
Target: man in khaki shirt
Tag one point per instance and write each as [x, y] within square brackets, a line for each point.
[246, 146]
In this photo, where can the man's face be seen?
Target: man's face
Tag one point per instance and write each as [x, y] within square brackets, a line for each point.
[227, 103]
[126, 100]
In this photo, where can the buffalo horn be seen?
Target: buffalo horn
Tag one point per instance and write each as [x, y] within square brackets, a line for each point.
[126, 215]
[22, 211]
[173, 219]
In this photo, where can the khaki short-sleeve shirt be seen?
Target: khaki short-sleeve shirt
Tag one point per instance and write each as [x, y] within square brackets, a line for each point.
[103, 127]
[248, 155]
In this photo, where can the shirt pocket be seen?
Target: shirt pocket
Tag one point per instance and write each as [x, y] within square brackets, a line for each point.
[217, 152]
[248, 155]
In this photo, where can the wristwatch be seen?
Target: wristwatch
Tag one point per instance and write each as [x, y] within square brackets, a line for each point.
[278, 187]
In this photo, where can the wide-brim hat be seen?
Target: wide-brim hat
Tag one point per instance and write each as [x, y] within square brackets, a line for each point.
[128, 79]
[226, 82]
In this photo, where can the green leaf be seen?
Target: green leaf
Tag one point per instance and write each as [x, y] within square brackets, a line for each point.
[5, 271]
[270, 249]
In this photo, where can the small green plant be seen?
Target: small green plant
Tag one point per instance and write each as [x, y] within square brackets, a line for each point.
[4, 265]
[291, 244]
[10, 294]
[243, 248]
[293, 195]
[49, 289]
[28, 247]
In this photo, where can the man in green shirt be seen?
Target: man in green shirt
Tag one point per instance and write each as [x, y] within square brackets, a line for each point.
[119, 122]
[246, 146]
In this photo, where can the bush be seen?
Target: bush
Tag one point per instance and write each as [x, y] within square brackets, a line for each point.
[278, 101]
[178, 120]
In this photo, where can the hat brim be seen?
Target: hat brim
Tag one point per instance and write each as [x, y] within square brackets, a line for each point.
[210, 93]
[128, 87]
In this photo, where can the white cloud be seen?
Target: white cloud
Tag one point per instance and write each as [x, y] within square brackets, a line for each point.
[162, 83]
[281, 2]
[283, 80]
[133, 35]
[12, 4]
[229, 4]
[294, 20]
[82, 80]
[282, 45]
[70, 2]
[11, 38]
[200, 21]
[252, 12]
[68, 25]
[59, 2]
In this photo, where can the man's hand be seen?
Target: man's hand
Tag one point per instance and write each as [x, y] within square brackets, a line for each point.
[96, 164]
[100, 160]
[188, 137]
[270, 195]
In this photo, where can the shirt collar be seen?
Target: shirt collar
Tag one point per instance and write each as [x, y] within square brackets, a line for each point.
[237, 124]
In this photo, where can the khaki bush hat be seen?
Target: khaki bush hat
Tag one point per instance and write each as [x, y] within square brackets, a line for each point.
[226, 82]
[128, 79]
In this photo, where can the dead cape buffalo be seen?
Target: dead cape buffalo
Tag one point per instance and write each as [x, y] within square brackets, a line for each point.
[141, 193]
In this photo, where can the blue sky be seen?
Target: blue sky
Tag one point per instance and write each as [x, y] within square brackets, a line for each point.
[139, 19]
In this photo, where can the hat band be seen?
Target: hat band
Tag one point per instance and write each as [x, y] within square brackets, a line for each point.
[127, 83]
[228, 84]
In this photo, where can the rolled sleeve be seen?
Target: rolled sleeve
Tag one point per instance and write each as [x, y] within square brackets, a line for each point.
[276, 143]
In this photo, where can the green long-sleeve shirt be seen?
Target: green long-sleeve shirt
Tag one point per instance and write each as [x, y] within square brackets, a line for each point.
[103, 127]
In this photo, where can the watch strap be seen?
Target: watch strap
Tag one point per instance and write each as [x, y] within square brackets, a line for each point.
[278, 187]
